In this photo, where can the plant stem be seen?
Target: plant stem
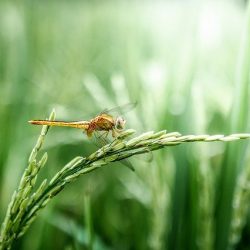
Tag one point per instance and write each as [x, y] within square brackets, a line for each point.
[24, 206]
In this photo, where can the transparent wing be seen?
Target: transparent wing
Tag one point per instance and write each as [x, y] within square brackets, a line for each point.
[120, 110]
[101, 139]
[127, 163]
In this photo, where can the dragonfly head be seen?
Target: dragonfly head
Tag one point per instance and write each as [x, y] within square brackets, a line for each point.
[120, 123]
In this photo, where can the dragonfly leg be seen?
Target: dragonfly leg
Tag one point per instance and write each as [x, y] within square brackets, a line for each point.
[114, 133]
[102, 140]
[104, 135]
[89, 133]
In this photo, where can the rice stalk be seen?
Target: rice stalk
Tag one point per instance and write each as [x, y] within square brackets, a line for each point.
[26, 202]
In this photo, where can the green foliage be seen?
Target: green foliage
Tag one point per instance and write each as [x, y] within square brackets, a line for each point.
[188, 68]
[25, 205]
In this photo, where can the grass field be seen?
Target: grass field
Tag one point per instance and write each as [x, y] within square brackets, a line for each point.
[186, 64]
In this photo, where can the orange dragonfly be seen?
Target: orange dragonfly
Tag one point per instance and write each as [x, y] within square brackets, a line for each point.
[102, 122]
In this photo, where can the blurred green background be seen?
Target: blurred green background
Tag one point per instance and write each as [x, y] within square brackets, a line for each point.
[186, 63]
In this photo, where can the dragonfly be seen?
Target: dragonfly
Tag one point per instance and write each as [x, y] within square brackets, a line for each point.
[104, 121]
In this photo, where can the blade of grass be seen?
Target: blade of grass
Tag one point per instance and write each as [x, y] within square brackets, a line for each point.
[235, 153]
[25, 205]
[88, 220]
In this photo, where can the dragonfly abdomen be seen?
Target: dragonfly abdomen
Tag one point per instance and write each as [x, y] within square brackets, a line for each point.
[81, 125]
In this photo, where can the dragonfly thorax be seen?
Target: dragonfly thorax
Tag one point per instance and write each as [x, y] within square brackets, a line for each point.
[120, 123]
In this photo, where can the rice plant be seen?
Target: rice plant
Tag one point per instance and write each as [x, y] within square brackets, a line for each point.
[187, 65]
[27, 202]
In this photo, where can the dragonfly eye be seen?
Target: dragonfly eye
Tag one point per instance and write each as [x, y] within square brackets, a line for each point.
[120, 123]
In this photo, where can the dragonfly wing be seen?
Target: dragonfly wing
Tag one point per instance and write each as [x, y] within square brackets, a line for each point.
[102, 139]
[120, 110]
[127, 163]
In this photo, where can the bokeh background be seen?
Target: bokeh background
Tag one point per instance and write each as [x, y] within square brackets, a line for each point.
[186, 63]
